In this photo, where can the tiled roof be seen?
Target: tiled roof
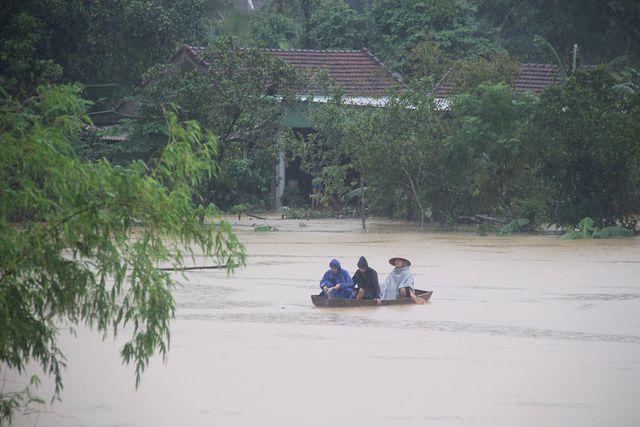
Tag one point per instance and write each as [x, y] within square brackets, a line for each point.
[533, 78]
[358, 72]
[445, 88]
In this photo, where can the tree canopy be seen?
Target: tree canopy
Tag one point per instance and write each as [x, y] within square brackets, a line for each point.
[82, 241]
[585, 136]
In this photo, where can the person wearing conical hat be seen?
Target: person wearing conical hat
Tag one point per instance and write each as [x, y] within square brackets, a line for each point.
[399, 283]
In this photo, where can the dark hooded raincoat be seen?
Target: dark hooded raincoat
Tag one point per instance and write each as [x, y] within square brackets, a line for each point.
[367, 281]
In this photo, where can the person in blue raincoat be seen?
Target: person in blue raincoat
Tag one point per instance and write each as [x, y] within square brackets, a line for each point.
[336, 282]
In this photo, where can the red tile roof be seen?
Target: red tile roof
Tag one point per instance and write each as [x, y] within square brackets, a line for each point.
[358, 72]
[533, 78]
[536, 77]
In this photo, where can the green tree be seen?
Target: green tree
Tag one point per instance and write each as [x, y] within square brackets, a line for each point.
[426, 65]
[38, 39]
[468, 74]
[602, 29]
[323, 153]
[238, 97]
[335, 25]
[585, 136]
[392, 149]
[400, 27]
[275, 30]
[408, 136]
[309, 24]
[82, 242]
[490, 125]
[126, 37]
[94, 42]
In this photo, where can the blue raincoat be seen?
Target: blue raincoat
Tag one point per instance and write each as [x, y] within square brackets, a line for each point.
[342, 277]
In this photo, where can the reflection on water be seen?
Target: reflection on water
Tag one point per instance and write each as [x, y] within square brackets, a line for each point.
[526, 330]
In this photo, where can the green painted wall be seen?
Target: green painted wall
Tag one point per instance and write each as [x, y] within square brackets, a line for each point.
[296, 115]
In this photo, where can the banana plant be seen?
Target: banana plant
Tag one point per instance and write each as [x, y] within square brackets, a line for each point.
[543, 44]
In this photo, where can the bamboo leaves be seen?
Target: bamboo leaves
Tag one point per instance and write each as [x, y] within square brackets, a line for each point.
[82, 242]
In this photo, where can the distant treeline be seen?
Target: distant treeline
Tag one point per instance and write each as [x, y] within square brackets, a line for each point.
[570, 153]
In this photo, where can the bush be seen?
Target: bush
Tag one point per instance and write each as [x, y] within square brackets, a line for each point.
[293, 198]
[533, 211]
[586, 230]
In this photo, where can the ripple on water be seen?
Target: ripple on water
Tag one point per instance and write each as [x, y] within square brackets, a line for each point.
[597, 297]
[337, 319]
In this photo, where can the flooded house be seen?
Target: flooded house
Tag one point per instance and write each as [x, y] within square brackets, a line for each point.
[362, 78]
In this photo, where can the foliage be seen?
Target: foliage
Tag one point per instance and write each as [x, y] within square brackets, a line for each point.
[302, 213]
[602, 29]
[542, 44]
[514, 226]
[333, 24]
[237, 23]
[293, 198]
[415, 160]
[322, 154]
[402, 26]
[627, 77]
[110, 44]
[488, 130]
[485, 228]
[407, 139]
[37, 39]
[467, 75]
[613, 231]
[531, 209]
[586, 230]
[236, 98]
[386, 149]
[94, 41]
[585, 138]
[309, 24]
[82, 241]
[275, 30]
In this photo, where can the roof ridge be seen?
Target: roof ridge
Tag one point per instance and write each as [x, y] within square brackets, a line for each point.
[538, 64]
[271, 49]
[275, 49]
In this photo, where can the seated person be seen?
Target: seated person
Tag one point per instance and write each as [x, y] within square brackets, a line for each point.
[399, 283]
[336, 282]
[366, 281]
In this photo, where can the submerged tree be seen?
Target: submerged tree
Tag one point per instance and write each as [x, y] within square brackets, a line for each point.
[392, 149]
[82, 242]
[585, 137]
[489, 127]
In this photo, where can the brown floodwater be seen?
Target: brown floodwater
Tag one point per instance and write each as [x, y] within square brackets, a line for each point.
[521, 330]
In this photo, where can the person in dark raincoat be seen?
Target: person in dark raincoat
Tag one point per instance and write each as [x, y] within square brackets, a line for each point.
[336, 282]
[366, 281]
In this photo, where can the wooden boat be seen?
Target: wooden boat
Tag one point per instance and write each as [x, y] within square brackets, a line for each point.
[319, 301]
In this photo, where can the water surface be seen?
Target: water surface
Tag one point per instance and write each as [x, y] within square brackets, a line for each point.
[524, 330]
